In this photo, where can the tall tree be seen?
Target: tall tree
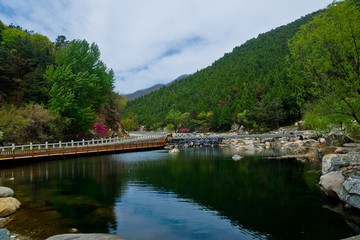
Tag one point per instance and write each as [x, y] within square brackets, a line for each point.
[325, 58]
[81, 83]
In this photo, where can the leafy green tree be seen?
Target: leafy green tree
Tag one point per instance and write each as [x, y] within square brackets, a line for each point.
[23, 60]
[175, 118]
[129, 124]
[325, 58]
[80, 82]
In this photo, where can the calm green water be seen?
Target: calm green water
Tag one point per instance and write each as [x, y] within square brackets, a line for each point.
[197, 194]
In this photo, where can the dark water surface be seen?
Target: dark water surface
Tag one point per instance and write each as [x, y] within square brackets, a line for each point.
[197, 194]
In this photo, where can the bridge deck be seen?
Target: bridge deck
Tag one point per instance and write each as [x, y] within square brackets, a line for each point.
[78, 150]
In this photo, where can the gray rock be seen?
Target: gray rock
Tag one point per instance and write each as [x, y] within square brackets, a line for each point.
[337, 139]
[352, 185]
[174, 151]
[332, 184]
[6, 192]
[330, 162]
[353, 200]
[4, 234]
[351, 192]
[91, 236]
[236, 157]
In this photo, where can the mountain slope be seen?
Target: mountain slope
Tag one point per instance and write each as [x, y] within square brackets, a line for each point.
[143, 92]
[251, 81]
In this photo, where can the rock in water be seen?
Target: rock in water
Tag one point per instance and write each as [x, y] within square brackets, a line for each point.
[175, 150]
[8, 206]
[332, 184]
[236, 157]
[90, 236]
[6, 192]
[4, 234]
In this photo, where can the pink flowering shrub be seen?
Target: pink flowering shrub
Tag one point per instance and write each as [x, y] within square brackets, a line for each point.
[100, 129]
[184, 130]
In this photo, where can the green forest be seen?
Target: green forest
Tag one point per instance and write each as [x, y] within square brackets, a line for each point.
[302, 70]
[307, 70]
[54, 90]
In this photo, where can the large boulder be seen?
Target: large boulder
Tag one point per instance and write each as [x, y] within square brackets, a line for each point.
[8, 206]
[337, 139]
[351, 192]
[332, 184]
[6, 192]
[90, 236]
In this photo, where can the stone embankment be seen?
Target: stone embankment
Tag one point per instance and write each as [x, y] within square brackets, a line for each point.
[299, 145]
[341, 174]
[194, 140]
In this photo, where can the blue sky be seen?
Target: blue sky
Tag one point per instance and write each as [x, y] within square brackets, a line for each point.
[149, 42]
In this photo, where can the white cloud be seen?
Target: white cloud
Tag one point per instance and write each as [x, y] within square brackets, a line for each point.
[147, 42]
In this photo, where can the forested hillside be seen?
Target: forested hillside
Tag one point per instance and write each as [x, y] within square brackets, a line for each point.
[53, 91]
[249, 86]
[143, 92]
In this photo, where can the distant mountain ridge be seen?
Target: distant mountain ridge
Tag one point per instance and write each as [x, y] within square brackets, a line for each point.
[143, 92]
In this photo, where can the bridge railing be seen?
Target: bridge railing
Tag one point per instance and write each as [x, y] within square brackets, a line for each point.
[83, 143]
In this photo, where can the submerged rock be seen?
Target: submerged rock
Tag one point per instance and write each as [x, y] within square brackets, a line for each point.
[89, 236]
[4, 234]
[236, 157]
[8, 206]
[175, 150]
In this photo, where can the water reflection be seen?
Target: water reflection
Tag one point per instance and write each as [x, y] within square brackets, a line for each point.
[197, 194]
[167, 216]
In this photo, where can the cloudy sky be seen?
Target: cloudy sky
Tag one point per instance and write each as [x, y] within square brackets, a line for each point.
[154, 41]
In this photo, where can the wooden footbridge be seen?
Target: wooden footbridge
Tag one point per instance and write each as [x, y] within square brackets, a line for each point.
[75, 149]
